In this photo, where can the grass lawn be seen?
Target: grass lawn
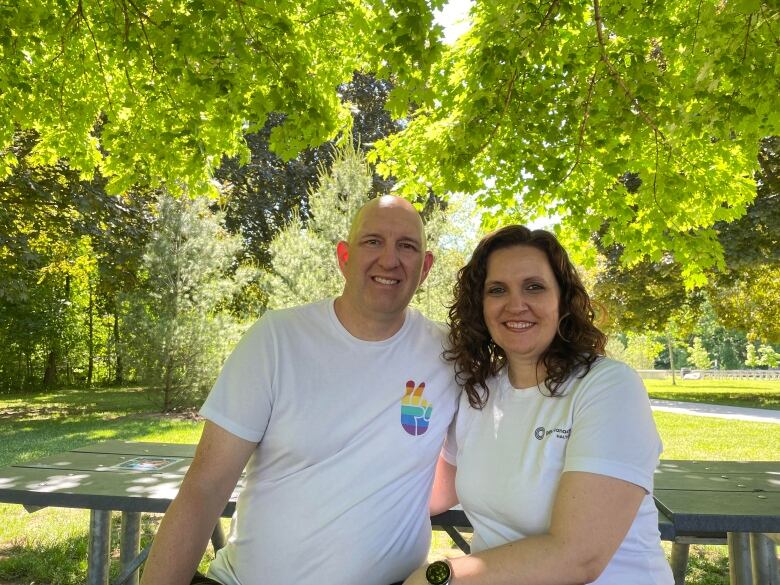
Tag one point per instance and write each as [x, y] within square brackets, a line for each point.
[750, 393]
[49, 547]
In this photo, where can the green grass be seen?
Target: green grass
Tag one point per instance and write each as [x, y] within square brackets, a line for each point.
[49, 547]
[749, 393]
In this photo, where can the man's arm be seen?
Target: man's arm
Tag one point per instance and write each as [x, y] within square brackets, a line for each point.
[185, 530]
[443, 495]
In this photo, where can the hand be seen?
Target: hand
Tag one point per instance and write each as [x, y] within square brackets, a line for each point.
[415, 410]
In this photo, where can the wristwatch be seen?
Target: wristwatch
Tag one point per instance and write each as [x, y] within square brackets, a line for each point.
[439, 573]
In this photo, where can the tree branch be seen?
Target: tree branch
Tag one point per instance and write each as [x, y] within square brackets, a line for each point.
[581, 138]
[97, 54]
[747, 37]
[696, 27]
[616, 76]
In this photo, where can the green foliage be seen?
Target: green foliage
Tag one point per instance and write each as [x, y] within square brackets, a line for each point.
[639, 351]
[177, 334]
[751, 358]
[552, 107]
[174, 85]
[698, 356]
[768, 356]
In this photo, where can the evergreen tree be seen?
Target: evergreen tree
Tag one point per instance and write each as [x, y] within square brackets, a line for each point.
[177, 332]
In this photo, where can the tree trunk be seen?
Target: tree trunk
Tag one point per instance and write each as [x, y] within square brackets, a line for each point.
[119, 380]
[671, 356]
[91, 365]
[50, 374]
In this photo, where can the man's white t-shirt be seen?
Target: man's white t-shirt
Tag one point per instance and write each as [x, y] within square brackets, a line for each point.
[349, 433]
[511, 454]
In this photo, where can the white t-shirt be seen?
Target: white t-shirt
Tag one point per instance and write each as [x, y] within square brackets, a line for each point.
[337, 490]
[511, 454]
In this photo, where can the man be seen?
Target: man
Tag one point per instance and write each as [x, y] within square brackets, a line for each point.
[340, 409]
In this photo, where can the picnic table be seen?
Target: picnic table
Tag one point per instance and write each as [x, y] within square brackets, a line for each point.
[697, 501]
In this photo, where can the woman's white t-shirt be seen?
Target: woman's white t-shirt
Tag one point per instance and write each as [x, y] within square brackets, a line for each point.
[511, 454]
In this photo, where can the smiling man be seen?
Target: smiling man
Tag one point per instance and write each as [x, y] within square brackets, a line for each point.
[338, 410]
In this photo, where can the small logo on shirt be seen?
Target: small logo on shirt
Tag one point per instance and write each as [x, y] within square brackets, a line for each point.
[415, 410]
[540, 433]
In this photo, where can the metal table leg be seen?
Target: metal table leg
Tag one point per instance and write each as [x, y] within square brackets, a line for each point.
[218, 539]
[99, 547]
[740, 572]
[130, 543]
[679, 562]
[764, 560]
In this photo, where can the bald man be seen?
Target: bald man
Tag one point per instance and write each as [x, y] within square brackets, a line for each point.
[338, 410]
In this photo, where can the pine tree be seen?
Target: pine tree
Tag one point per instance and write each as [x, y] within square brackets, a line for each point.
[177, 334]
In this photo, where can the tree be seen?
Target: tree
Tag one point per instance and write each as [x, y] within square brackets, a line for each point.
[177, 334]
[768, 356]
[175, 86]
[698, 356]
[641, 351]
[751, 359]
[543, 108]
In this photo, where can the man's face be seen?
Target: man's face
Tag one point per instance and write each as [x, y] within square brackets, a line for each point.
[385, 261]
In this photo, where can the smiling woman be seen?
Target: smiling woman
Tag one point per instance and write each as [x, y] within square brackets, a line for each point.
[564, 434]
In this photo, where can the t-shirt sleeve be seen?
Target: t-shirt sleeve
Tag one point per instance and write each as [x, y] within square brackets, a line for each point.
[613, 431]
[450, 450]
[242, 397]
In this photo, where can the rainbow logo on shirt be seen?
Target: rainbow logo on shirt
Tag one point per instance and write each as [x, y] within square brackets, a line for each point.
[415, 410]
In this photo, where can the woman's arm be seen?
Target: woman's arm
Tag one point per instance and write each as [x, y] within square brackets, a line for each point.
[591, 516]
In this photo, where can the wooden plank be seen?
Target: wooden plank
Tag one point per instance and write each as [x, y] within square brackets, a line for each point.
[680, 466]
[127, 492]
[110, 463]
[140, 448]
[737, 482]
[704, 513]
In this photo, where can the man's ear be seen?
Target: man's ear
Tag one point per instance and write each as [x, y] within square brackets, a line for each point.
[342, 254]
[426, 267]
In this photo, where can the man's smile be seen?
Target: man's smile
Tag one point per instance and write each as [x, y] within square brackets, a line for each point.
[382, 280]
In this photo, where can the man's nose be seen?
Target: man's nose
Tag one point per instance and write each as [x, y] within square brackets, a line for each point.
[389, 257]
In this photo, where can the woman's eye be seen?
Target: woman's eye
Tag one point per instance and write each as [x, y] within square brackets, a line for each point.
[495, 290]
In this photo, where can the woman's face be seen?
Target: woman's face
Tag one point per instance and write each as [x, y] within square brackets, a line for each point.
[520, 303]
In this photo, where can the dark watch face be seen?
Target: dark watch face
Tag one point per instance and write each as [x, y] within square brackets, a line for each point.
[438, 573]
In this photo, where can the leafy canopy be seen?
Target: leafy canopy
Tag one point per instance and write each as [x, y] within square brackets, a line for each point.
[174, 85]
[548, 107]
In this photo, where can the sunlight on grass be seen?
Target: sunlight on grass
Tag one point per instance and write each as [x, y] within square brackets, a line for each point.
[748, 393]
[698, 437]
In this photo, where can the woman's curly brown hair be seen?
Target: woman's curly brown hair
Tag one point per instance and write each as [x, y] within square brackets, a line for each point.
[578, 343]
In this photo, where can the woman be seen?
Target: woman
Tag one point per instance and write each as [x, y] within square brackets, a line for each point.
[555, 444]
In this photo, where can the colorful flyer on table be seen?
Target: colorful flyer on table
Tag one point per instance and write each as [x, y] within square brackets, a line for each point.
[146, 463]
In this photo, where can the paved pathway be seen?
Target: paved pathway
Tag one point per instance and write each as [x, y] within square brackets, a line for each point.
[717, 411]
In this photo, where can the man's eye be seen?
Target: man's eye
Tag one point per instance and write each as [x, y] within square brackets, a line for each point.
[408, 246]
